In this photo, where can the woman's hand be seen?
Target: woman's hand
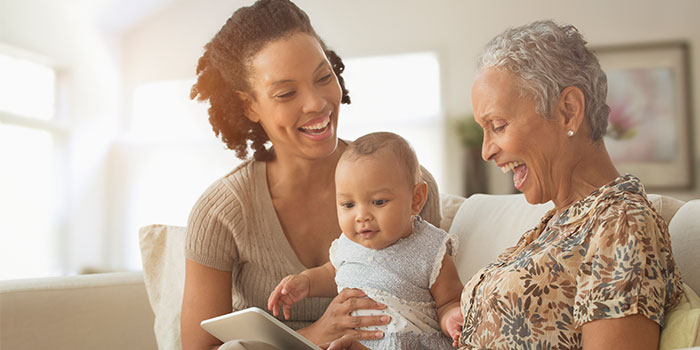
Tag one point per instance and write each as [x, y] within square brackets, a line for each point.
[452, 324]
[345, 343]
[290, 290]
[337, 321]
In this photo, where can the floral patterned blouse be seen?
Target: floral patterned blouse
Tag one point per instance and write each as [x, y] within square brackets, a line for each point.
[606, 256]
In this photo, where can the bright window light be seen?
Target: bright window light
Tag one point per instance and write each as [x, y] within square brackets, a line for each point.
[401, 94]
[27, 89]
[29, 180]
[168, 158]
[27, 204]
[163, 111]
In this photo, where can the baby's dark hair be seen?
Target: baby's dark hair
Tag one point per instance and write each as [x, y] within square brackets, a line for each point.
[224, 68]
[389, 142]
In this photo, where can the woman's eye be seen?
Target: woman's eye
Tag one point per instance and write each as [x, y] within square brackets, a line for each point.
[499, 127]
[325, 78]
[286, 94]
[347, 205]
[379, 202]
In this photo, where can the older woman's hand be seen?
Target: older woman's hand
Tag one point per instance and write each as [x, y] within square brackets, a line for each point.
[345, 343]
[337, 321]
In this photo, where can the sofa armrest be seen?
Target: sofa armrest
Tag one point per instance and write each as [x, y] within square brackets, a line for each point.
[100, 311]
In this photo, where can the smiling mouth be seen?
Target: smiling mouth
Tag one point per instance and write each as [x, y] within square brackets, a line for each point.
[317, 128]
[510, 166]
[519, 172]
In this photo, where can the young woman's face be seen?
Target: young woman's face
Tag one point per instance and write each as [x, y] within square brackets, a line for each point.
[375, 200]
[517, 138]
[296, 97]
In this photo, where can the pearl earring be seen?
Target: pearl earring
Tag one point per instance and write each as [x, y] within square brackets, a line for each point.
[570, 133]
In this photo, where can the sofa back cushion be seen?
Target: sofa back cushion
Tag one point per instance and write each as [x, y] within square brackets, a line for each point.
[487, 224]
[685, 242]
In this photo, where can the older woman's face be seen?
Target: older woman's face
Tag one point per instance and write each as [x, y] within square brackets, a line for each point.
[516, 137]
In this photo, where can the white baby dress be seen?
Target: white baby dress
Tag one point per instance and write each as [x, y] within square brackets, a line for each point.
[399, 276]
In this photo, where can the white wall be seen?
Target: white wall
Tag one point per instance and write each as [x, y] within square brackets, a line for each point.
[456, 29]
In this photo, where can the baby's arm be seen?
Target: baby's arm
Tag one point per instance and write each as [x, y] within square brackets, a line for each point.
[316, 282]
[446, 291]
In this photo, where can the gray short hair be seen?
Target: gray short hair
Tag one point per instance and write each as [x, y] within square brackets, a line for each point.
[547, 58]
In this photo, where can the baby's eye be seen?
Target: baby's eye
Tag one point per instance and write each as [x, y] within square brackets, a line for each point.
[347, 205]
[379, 202]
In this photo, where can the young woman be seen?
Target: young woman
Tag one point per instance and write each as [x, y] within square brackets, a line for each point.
[274, 87]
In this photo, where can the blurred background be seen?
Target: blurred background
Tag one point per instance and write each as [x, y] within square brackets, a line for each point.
[98, 136]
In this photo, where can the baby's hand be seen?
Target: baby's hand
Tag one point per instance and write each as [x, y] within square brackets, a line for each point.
[290, 290]
[453, 324]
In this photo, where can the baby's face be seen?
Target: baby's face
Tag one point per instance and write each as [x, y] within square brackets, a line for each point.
[374, 199]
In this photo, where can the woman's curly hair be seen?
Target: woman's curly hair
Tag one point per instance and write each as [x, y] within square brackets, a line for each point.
[224, 67]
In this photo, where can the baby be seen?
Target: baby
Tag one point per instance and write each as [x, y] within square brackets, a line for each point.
[386, 250]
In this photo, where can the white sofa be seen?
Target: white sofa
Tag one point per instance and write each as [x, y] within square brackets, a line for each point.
[111, 311]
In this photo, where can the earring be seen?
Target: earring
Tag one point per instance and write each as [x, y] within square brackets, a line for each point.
[570, 133]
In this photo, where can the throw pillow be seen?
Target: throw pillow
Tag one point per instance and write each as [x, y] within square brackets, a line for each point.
[682, 324]
[162, 254]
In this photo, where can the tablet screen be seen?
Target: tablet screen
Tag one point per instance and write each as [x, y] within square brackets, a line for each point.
[256, 324]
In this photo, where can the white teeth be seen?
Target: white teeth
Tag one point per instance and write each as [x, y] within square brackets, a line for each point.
[510, 166]
[318, 126]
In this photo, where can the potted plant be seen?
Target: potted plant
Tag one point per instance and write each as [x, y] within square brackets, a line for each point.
[471, 136]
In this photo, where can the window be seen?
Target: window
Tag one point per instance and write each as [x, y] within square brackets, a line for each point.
[31, 177]
[401, 94]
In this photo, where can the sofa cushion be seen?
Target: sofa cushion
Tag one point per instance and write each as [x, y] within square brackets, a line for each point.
[162, 254]
[666, 206]
[685, 242]
[98, 311]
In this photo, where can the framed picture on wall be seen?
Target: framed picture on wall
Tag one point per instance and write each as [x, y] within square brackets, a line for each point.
[649, 128]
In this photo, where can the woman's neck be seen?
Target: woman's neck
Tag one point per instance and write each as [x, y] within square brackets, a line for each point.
[286, 174]
[588, 173]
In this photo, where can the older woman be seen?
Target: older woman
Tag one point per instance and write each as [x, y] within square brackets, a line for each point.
[597, 271]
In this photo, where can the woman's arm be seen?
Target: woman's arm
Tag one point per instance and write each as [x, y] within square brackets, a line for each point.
[446, 291]
[207, 294]
[631, 332]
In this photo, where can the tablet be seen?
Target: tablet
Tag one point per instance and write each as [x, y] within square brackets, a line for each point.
[256, 324]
